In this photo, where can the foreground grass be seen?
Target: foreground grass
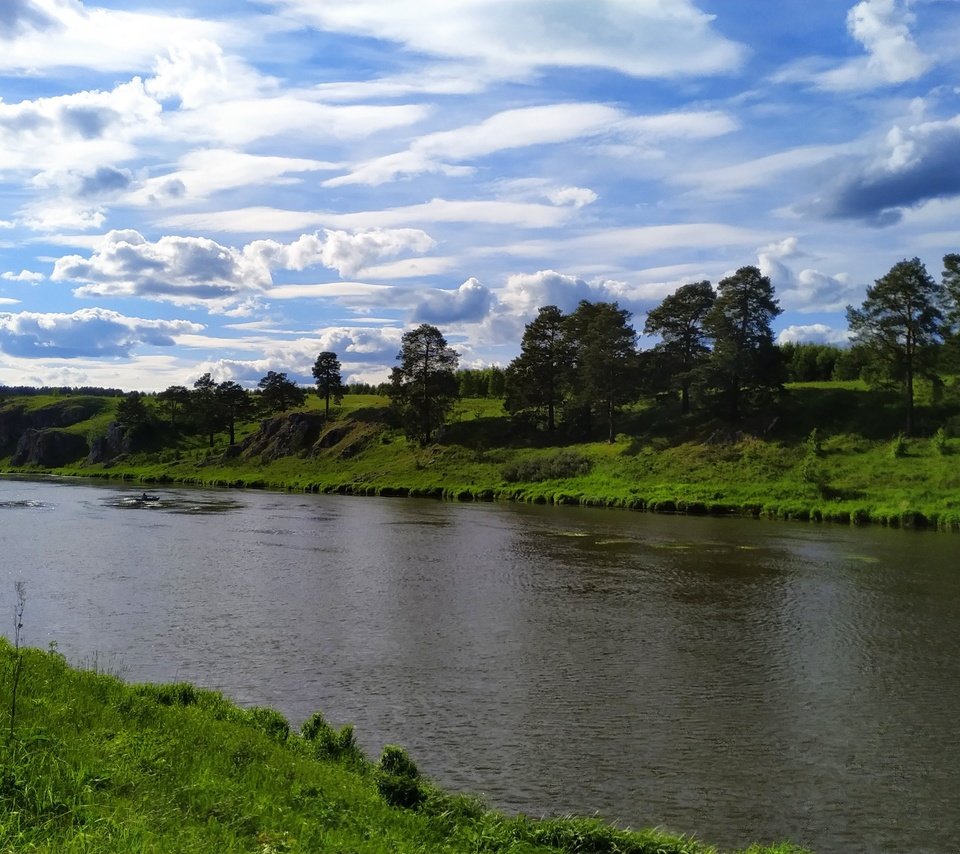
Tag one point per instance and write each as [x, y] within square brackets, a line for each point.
[852, 470]
[90, 764]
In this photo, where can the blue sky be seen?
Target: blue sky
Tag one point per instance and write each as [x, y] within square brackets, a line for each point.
[233, 187]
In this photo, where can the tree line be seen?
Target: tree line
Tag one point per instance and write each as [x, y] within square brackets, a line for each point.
[577, 371]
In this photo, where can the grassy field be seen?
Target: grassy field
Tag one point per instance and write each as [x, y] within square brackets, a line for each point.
[90, 764]
[832, 453]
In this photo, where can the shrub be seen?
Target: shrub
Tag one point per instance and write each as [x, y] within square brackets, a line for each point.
[329, 743]
[556, 466]
[269, 721]
[398, 779]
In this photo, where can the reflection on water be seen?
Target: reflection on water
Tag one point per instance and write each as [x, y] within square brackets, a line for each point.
[740, 679]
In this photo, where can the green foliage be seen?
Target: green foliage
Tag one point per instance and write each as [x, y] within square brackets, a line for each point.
[398, 779]
[899, 323]
[940, 442]
[556, 466]
[679, 322]
[744, 357]
[278, 393]
[327, 374]
[424, 384]
[330, 743]
[271, 722]
[898, 448]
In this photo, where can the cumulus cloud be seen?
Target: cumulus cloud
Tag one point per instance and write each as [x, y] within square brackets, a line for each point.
[78, 131]
[23, 276]
[524, 293]
[197, 270]
[806, 290]
[644, 38]
[199, 73]
[883, 28]
[917, 163]
[347, 253]
[91, 332]
[182, 270]
[814, 333]
[578, 197]
[469, 303]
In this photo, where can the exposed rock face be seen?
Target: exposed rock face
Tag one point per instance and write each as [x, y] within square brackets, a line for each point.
[49, 448]
[284, 436]
[306, 434]
[106, 448]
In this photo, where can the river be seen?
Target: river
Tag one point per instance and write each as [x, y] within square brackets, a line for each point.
[738, 679]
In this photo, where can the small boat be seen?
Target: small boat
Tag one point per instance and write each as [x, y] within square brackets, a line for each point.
[147, 497]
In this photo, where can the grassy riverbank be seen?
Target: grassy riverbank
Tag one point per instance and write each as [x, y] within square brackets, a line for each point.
[92, 764]
[832, 455]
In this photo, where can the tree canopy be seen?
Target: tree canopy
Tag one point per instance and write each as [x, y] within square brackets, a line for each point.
[899, 322]
[327, 373]
[424, 384]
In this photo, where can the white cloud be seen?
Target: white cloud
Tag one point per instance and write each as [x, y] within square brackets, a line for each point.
[524, 293]
[23, 276]
[529, 126]
[108, 40]
[814, 333]
[212, 170]
[344, 252]
[883, 28]
[198, 270]
[230, 122]
[260, 219]
[78, 131]
[577, 196]
[85, 333]
[807, 290]
[199, 73]
[470, 303]
[643, 38]
[182, 270]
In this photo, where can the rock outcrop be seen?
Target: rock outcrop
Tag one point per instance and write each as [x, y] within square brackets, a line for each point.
[49, 448]
[111, 446]
[306, 434]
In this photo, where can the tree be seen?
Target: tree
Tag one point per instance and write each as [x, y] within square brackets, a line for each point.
[900, 322]
[605, 364]
[278, 393]
[951, 289]
[424, 385]
[175, 398]
[235, 404]
[679, 323]
[132, 412]
[206, 406]
[743, 356]
[326, 371]
[535, 380]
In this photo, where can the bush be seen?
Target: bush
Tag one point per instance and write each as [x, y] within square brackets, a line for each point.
[899, 447]
[398, 779]
[269, 721]
[329, 743]
[940, 442]
[557, 466]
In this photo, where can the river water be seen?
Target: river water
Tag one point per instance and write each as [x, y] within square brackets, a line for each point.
[738, 679]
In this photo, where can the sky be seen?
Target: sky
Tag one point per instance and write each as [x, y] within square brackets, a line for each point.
[192, 186]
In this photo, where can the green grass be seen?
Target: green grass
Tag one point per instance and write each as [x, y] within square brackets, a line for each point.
[96, 765]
